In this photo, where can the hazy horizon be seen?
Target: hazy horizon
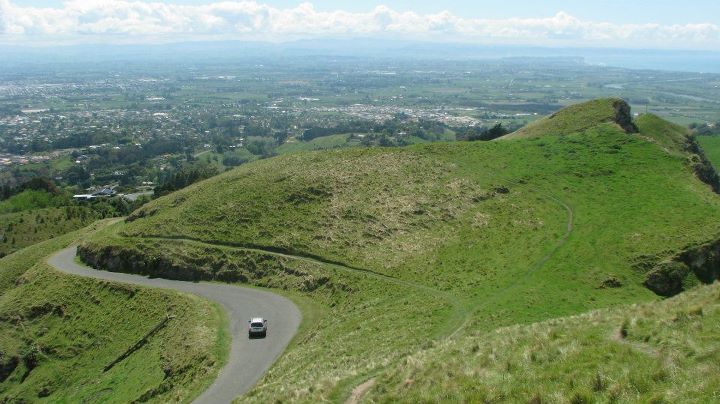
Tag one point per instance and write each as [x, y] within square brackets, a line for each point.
[199, 51]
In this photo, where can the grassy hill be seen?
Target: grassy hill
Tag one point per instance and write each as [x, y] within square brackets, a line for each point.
[320, 143]
[580, 117]
[57, 332]
[21, 229]
[711, 146]
[31, 199]
[31, 215]
[400, 249]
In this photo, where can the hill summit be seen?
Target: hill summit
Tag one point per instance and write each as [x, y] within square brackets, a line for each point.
[579, 117]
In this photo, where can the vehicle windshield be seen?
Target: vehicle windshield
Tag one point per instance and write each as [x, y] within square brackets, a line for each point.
[256, 325]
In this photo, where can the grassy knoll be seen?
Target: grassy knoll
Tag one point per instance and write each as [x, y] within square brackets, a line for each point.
[320, 143]
[38, 211]
[437, 240]
[57, 332]
[227, 159]
[579, 117]
[660, 352]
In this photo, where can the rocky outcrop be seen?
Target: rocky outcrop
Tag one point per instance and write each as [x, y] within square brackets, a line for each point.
[7, 365]
[623, 116]
[205, 264]
[129, 260]
[701, 165]
[704, 261]
[693, 266]
[667, 278]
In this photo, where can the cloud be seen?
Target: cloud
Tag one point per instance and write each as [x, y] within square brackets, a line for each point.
[100, 20]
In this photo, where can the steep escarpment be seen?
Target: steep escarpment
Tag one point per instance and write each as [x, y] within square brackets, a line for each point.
[704, 169]
[675, 139]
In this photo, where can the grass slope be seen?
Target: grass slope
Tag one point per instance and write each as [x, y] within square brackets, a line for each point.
[711, 146]
[577, 118]
[31, 199]
[435, 241]
[57, 332]
[21, 229]
[654, 353]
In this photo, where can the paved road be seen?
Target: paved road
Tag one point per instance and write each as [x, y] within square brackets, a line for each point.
[249, 359]
[134, 197]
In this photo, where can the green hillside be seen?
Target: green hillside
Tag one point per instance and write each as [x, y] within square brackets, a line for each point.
[21, 229]
[403, 248]
[37, 210]
[650, 353]
[57, 332]
[31, 199]
[580, 117]
[711, 146]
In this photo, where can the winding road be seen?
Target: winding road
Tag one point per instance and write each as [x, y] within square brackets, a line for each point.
[248, 359]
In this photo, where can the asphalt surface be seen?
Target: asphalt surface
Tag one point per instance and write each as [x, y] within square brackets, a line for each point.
[249, 358]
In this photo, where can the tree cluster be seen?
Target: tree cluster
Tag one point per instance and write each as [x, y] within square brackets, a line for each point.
[34, 184]
[705, 129]
[185, 176]
[482, 133]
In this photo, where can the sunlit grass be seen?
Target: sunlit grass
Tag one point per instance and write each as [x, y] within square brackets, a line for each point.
[436, 240]
[57, 332]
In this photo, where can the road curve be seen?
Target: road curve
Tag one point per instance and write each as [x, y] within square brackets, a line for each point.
[248, 359]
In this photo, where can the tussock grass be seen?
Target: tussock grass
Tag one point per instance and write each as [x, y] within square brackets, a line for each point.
[669, 354]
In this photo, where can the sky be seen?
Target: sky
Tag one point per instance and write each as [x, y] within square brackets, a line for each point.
[659, 24]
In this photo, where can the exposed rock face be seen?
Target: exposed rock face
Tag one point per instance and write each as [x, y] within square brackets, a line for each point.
[7, 366]
[704, 261]
[698, 264]
[702, 166]
[611, 282]
[203, 264]
[623, 117]
[667, 278]
[132, 261]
